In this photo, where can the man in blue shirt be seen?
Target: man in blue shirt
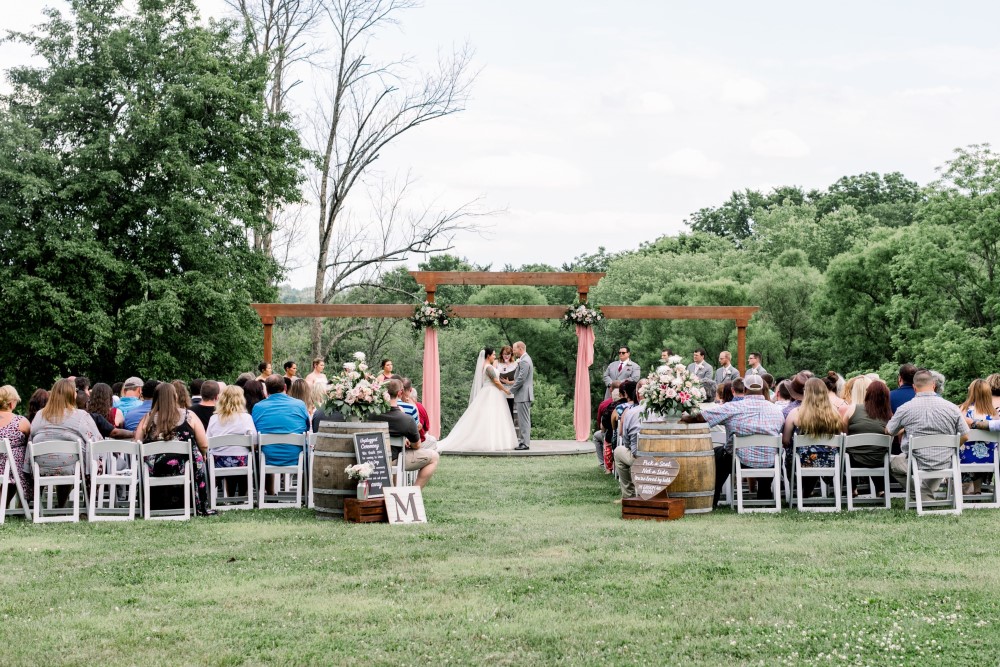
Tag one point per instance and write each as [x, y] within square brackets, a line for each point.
[135, 415]
[280, 413]
[905, 392]
[131, 392]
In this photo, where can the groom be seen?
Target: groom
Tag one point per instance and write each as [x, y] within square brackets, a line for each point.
[524, 393]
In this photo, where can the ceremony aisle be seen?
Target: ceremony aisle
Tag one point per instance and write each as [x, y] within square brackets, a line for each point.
[524, 561]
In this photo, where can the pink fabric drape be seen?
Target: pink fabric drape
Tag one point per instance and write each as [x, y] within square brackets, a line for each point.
[432, 381]
[581, 397]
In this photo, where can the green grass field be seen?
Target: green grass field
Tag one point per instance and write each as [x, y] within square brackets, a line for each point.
[525, 561]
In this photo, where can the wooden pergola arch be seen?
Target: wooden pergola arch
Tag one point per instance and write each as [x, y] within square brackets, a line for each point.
[431, 280]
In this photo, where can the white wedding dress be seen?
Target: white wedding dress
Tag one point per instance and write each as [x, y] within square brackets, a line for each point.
[486, 426]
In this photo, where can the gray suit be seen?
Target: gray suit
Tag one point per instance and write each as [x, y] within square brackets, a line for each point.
[726, 374]
[703, 370]
[524, 393]
[630, 371]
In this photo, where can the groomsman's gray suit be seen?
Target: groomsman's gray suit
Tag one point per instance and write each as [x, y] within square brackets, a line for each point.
[703, 370]
[726, 374]
[629, 371]
[524, 393]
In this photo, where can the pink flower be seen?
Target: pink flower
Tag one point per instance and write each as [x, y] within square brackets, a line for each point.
[173, 462]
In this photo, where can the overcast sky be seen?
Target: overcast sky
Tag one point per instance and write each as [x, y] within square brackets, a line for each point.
[596, 123]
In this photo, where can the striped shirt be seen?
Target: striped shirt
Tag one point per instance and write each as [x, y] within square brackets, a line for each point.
[928, 414]
[409, 409]
[754, 415]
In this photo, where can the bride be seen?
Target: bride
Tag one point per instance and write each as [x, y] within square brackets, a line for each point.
[486, 425]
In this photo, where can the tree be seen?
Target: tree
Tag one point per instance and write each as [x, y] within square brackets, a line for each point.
[891, 199]
[369, 107]
[136, 162]
[785, 295]
[735, 219]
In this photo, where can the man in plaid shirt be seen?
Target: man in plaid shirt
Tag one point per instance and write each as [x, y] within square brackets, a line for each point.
[754, 415]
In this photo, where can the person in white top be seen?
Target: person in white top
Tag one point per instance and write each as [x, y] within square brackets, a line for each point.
[231, 418]
[317, 377]
[506, 368]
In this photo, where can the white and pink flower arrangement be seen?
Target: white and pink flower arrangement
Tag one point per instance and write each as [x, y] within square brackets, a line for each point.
[671, 389]
[582, 314]
[429, 314]
[354, 391]
[360, 471]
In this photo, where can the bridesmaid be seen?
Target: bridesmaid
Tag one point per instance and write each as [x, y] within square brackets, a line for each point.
[506, 367]
[386, 374]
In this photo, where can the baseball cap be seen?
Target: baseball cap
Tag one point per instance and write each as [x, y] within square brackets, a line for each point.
[753, 381]
[132, 383]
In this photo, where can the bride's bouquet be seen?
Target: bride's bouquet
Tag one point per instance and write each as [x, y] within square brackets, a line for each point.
[671, 389]
[354, 391]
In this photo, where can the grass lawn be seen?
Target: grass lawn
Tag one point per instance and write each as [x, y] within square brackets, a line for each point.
[525, 561]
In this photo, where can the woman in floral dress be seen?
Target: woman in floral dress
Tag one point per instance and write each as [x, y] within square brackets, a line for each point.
[978, 406]
[15, 429]
[168, 421]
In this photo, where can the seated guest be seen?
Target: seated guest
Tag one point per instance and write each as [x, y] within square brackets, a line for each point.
[108, 418]
[183, 397]
[796, 385]
[60, 419]
[610, 437]
[599, 430]
[408, 408]
[904, 392]
[724, 393]
[243, 378]
[423, 419]
[815, 417]
[82, 391]
[754, 415]
[166, 421]
[630, 399]
[195, 390]
[977, 452]
[939, 382]
[782, 397]
[134, 415]
[230, 417]
[835, 385]
[15, 429]
[39, 399]
[205, 408]
[280, 413]
[320, 414]
[925, 414]
[628, 440]
[131, 395]
[302, 391]
[868, 412]
[254, 392]
[414, 456]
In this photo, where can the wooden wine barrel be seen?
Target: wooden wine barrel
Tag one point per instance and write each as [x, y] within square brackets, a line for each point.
[334, 452]
[691, 446]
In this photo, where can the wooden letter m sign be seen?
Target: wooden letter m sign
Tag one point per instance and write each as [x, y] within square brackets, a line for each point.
[405, 504]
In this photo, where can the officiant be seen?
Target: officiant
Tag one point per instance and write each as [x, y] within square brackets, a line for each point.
[620, 371]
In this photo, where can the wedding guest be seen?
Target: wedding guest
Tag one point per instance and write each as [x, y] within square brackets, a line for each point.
[834, 385]
[408, 408]
[610, 437]
[622, 370]
[195, 390]
[206, 408]
[904, 392]
[243, 378]
[724, 394]
[939, 382]
[977, 452]
[796, 385]
[599, 430]
[167, 420]
[700, 368]
[302, 391]
[628, 440]
[415, 457]
[280, 413]
[782, 397]
[183, 397]
[869, 412]
[37, 401]
[131, 395]
[385, 371]
[254, 392]
[134, 415]
[506, 368]
[815, 417]
[101, 402]
[15, 429]
[628, 392]
[82, 391]
[60, 419]
[231, 418]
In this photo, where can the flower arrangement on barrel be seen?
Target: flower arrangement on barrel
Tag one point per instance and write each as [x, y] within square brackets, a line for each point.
[362, 472]
[583, 315]
[355, 392]
[670, 389]
[429, 314]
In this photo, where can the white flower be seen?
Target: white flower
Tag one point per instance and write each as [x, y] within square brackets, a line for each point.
[362, 367]
[350, 366]
[360, 356]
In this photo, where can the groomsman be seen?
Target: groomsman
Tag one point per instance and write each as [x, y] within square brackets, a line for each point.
[620, 371]
[700, 368]
[726, 372]
[755, 367]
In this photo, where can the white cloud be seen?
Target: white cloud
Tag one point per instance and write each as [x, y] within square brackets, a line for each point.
[520, 170]
[687, 162]
[744, 92]
[934, 91]
[778, 143]
[652, 103]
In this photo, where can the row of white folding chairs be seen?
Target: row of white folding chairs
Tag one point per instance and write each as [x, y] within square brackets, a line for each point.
[844, 470]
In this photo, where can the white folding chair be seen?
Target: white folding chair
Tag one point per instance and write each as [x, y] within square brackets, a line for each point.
[8, 475]
[850, 472]
[719, 440]
[181, 450]
[310, 496]
[916, 475]
[110, 478]
[983, 501]
[276, 502]
[772, 472]
[50, 482]
[221, 474]
[801, 441]
[403, 477]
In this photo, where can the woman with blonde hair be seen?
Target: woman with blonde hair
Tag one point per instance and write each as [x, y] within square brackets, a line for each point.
[60, 419]
[231, 418]
[15, 429]
[816, 417]
[978, 406]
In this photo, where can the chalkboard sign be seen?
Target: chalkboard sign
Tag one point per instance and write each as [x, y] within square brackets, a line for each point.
[371, 448]
[653, 475]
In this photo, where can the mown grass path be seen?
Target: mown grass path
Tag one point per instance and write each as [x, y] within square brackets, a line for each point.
[525, 561]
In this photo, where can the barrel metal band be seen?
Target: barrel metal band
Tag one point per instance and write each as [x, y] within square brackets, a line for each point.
[649, 454]
[336, 455]
[334, 492]
[690, 494]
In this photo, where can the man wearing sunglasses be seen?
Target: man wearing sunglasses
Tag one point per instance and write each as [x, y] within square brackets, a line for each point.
[620, 371]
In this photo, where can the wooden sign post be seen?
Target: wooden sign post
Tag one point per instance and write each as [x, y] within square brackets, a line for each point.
[405, 504]
[372, 448]
[651, 477]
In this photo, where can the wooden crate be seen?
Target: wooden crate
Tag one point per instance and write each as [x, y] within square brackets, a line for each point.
[365, 511]
[654, 509]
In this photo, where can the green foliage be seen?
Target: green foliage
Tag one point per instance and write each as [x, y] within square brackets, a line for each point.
[551, 413]
[136, 160]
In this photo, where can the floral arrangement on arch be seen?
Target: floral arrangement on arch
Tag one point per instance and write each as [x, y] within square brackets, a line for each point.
[354, 391]
[427, 314]
[670, 388]
[583, 315]
[360, 471]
